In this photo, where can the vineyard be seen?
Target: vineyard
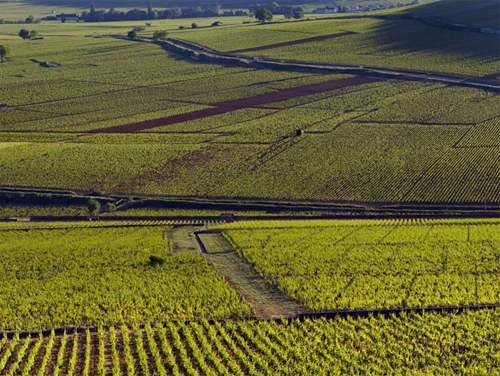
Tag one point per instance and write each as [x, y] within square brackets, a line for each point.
[403, 44]
[468, 12]
[192, 129]
[375, 264]
[107, 273]
[87, 113]
[438, 344]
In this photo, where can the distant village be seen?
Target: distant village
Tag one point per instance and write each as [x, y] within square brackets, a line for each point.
[214, 11]
[367, 8]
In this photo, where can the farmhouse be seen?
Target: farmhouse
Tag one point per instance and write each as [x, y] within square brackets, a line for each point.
[326, 10]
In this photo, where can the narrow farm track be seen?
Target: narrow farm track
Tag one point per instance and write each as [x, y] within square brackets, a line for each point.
[266, 300]
[237, 104]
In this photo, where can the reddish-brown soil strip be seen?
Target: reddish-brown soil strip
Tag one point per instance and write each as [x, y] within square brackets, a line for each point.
[300, 41]
[237, 104]
[492, 19]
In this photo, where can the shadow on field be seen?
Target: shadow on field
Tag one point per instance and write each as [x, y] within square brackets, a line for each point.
[407, 37]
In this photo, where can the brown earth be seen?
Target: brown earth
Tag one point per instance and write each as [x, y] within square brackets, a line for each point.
[488, 20]
[223, 107]
[294, 42]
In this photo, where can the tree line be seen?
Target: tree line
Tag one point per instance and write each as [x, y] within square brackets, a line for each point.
[150, 14]
[95, 15]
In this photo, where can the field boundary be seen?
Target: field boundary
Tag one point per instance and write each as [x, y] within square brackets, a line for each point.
[301, 317]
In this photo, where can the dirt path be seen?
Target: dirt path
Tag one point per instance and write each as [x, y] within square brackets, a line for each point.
[300, 41]
[267, 301]
[237, 104]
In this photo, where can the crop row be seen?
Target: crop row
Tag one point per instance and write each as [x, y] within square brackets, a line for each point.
[486, 134]
[403, 44]
[369, 267]
[398, 222]
[90, 276]
[26, 211]
[460, 175]
[434, 343]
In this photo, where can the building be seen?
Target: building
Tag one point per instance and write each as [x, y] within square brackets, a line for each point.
[67, 17]
[326, 10]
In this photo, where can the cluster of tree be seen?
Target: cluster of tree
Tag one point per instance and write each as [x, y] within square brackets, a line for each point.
[343, 9]
[275, 8]
[151, 14]
[157, 35]
[264, 14]
[26, 34]
[4, 51]
[30, 19]
[94, 207]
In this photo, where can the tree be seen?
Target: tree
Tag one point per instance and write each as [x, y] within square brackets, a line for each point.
[110, 207]
[94, 207]
[288, 14]
[298, 14]
[151, 12]
[176, 12]
[29, 19]
[33, 34]
[160, 35]
[4, 51]
[264, 14]
[25, 34]
[194, 26]
[132, 34]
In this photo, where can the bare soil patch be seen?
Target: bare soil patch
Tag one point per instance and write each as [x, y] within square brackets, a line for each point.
[237, 104]
[294, 42]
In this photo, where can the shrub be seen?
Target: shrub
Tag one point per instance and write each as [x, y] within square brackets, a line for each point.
[156, 260]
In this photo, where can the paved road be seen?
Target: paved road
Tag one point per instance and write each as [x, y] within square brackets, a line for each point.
[404, 74]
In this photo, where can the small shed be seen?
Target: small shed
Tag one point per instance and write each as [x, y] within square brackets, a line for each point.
[299, 132]
[228, 217]
[3, 106]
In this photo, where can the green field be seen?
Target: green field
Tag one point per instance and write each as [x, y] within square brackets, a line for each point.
[106, 273]
[330, 265]
[468, 12]
[137, 312]
[49, 135]
[161, 131]
[400, 44]
[438, 344]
